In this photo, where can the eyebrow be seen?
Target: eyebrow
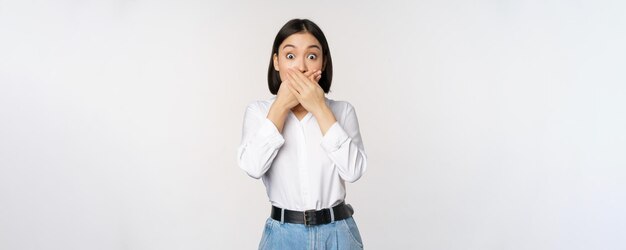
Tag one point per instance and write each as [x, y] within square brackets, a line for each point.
[311, 46]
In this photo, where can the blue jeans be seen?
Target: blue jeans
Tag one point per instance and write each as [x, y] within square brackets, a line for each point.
[337, 235]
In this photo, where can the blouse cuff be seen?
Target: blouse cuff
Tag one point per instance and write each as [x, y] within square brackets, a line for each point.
[334, 138]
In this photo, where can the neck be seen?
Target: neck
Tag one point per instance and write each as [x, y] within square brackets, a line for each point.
[298, 108]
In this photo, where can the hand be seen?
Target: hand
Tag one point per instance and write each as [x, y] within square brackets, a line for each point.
[305, 88]
[285, 101]
[307, 91]
[285, 98]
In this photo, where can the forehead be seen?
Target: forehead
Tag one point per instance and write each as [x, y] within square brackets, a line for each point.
[300, 40]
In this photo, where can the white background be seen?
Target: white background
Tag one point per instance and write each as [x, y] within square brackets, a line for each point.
[488, 124]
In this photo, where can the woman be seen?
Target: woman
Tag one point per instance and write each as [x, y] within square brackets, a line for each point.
[304, 146]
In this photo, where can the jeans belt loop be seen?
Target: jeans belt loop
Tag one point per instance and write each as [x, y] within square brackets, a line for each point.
[332, 215]
[282, 216]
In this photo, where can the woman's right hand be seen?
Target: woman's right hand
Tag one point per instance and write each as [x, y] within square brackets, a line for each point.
[285, 98]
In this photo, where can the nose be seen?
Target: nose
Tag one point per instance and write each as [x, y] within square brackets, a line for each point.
[301, 65]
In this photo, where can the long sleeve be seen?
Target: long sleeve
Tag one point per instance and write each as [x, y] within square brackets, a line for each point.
[260, 142]
[344, 146]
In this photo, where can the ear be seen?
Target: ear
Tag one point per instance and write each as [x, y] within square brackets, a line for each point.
[324, 65]
[275, 58]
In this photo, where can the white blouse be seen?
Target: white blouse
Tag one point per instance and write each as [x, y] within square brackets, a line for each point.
[302, 169]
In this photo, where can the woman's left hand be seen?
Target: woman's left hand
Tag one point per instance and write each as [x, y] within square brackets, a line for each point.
[307, 91]
[311, 97]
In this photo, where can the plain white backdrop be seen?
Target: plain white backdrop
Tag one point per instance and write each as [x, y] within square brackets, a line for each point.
[488, 124]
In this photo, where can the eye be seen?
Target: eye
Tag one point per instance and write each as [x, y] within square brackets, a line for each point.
[290, 56]
[312, 56]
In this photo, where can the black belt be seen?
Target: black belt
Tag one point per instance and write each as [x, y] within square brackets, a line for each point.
[314, 217]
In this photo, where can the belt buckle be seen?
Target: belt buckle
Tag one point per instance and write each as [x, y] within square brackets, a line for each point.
[307, 218]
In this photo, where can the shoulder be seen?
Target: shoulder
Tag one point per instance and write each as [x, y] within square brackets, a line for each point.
[341, 109]
[340, 106]
[260, 106]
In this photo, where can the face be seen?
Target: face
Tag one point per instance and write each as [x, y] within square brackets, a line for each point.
[300, 51]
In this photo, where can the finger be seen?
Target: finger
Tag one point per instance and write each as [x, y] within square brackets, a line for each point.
[293, 91]
[285, 82]
[305, 82]
[310, 73]
[296, 81]
[316, 76]
[283, 90]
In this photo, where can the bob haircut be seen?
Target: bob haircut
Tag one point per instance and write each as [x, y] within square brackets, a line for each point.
[290, 28]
